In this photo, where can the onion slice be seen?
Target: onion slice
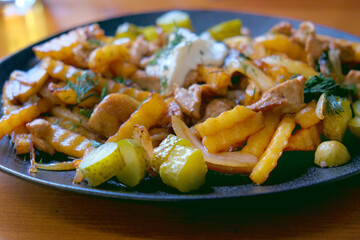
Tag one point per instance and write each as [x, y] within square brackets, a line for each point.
[319, 111]
[227, 162]
[60, 166]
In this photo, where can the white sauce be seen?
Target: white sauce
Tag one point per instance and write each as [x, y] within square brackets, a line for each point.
[173, 67]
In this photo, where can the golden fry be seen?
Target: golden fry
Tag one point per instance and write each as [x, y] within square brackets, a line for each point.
[224, 121]
[227, 138]
[21, 116]
[305, 139]
[257, 143]
[147, 115]
[273, 152]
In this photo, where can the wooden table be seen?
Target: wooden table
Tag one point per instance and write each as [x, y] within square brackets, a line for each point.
[29, 211]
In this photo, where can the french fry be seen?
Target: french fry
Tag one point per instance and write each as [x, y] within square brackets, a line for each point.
[250, 70]
[147, 115]
[68, 125]
[273, 152]
[292, 66]
[67, 115]
[60, 139]
[305, 139]
[21, 116]
[282, 44]
[307, 116]
[227, 138]
[214, 76]
[224, 121]
[61, 48]
[257, 143]
[22, 143]
[101, 57]
[22, 85]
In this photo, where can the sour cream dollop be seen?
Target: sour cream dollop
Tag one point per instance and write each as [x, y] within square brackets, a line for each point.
[184, 52]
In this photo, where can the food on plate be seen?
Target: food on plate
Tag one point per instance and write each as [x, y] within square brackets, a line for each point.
[163, 102]
[331, 153]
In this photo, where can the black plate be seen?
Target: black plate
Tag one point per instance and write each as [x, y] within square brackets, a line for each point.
[294, 170]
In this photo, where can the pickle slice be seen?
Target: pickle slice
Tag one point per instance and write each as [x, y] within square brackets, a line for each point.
[174, 19]
[226, 29]
[162, 152]
[185, 169]
[101, 164]
[127, 30]
[136, 160]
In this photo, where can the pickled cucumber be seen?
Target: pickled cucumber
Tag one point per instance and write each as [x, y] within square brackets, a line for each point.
[101, 164]
[185, 169]
[356, 107]
[331, 154]
[162, 152]
[149, 32]
[335, 124]
[354, 126]
[174, 19]
[226, 29]
[127, 30]
[136, 160]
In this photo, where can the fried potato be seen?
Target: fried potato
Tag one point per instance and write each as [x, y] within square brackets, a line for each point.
[257, 143]
[61, 48]
[21, 116]
[224, 121]
[148, 114]
[305, 139]
[67, 115]
[101, 57]
[273, 152]
[292, 66]
[229, 137]
[307, 116]
[122, 69]
[215, 76]
[22, 143]
[250, 70]
[281, 44]
[22, 85]
[60, 139]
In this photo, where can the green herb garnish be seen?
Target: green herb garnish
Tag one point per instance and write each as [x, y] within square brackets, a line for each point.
[95, 144]
[86, 112]
[84, 83]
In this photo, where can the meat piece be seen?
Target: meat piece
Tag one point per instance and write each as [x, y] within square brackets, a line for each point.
[111, 112]
[141, 48]
[287, 97]
[347, 53]
[82, 53]
[39, 128]
[216, 107]
[146, 82]
[189, 100]
[353, 77]
[284, 28]
[306, 36]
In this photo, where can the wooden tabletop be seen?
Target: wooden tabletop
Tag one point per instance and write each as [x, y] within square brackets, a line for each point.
[30, 211]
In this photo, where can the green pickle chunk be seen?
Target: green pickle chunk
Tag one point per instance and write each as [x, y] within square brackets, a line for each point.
[136, 160]
[101, 164]
[162, 152]
[172, 20]
[149, 32]
[185, 169]
[331, 154]
[335, 124]
[127, 30]
[226, 29]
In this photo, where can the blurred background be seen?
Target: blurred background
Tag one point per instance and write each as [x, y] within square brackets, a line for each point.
[23, 22]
